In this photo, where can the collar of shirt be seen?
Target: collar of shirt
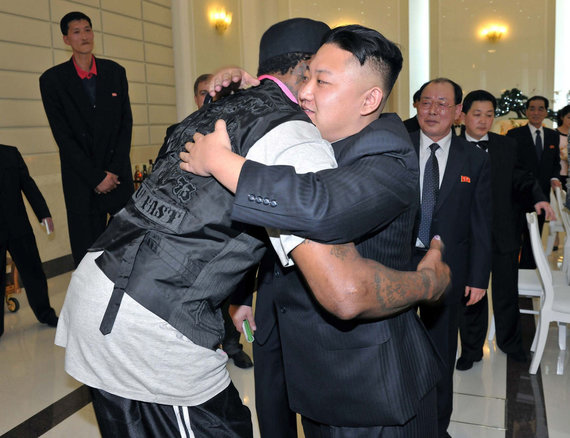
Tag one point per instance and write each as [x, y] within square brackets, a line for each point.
[533, 130]
[426, 142]
[86, 74]
[281, 85]
[441, 154]
[469, 138]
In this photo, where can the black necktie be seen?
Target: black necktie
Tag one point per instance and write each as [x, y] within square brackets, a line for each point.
[483, 144]
[430, 191]
[538, 145]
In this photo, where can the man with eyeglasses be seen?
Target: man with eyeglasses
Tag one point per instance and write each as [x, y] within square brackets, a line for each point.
[455, 185]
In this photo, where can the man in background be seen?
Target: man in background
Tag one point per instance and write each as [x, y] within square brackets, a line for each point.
[200, 93]
[412, 124]
[16, 233]
[201, 88]
[455, 184]
[86, 100]
[513, 187]
[540, 152]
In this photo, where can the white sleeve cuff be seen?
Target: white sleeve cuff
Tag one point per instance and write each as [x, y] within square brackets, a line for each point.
[284, 243]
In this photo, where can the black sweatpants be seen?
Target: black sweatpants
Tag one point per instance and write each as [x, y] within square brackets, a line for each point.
[223, 416]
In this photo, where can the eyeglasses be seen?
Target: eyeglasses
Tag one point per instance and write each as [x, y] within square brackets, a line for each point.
[440, 106]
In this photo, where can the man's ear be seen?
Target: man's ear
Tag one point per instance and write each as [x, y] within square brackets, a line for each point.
[458, 112]
[373, 99]
[66, 40]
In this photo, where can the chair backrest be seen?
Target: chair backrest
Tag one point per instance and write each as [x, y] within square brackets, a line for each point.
[562, 212]
[544, 271]
[554, 205]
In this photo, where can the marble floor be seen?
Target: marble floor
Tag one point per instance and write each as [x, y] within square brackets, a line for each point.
[494, 399]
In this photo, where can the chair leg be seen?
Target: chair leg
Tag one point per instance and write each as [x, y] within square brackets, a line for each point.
[492, 329]
[535, 339]
[562, 335]
[550, 243]
[541, 343]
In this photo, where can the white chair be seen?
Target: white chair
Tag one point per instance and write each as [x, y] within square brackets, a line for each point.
[555, 305]
[529, 286]
[565, 218]
[555, 226]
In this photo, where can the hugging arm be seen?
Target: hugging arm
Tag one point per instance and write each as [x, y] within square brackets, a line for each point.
[349, 286]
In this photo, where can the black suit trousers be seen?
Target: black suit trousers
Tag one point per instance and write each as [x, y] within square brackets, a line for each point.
[84, 229]
[415, 428]
[505, 297]
[442, 322]
[275, 418]
[527, 259]
[506, 302]
[473, 328]
[24, 253]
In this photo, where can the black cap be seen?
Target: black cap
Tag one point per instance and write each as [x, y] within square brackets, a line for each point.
[301, 35]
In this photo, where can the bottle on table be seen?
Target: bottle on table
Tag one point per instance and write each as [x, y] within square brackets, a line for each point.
[137, 177]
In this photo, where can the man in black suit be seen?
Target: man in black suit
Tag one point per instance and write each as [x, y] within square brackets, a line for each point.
[456, 204]
[201, 88]
[16, 233]
[87, 105]
[347, 376]
[412, 124]
[540, 152]
[513, 187]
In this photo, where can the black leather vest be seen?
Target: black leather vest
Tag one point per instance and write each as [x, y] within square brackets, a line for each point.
[174, 248]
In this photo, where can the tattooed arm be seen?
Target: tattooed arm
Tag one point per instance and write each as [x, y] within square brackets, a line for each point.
[350, 286]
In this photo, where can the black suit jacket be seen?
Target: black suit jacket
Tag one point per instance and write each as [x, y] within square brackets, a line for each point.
[412, 124]
[91, 139]
[549, 165]
[462, 215]
[15, 179]
[513, 188]
[346, 373]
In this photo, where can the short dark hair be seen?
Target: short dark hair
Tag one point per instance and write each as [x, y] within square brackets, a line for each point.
[561, 114]
[201, 78]
[478, 96]
[369, 45]
[72, 16]
[282, 63]
[544, 99]
[458, 93]
[416, 97]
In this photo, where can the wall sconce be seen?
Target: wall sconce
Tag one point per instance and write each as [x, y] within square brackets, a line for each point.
[221, 20]
[493, 33]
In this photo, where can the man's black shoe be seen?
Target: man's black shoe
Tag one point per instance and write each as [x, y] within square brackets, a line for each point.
[242, 360]
[464, 364]
[518, 356]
